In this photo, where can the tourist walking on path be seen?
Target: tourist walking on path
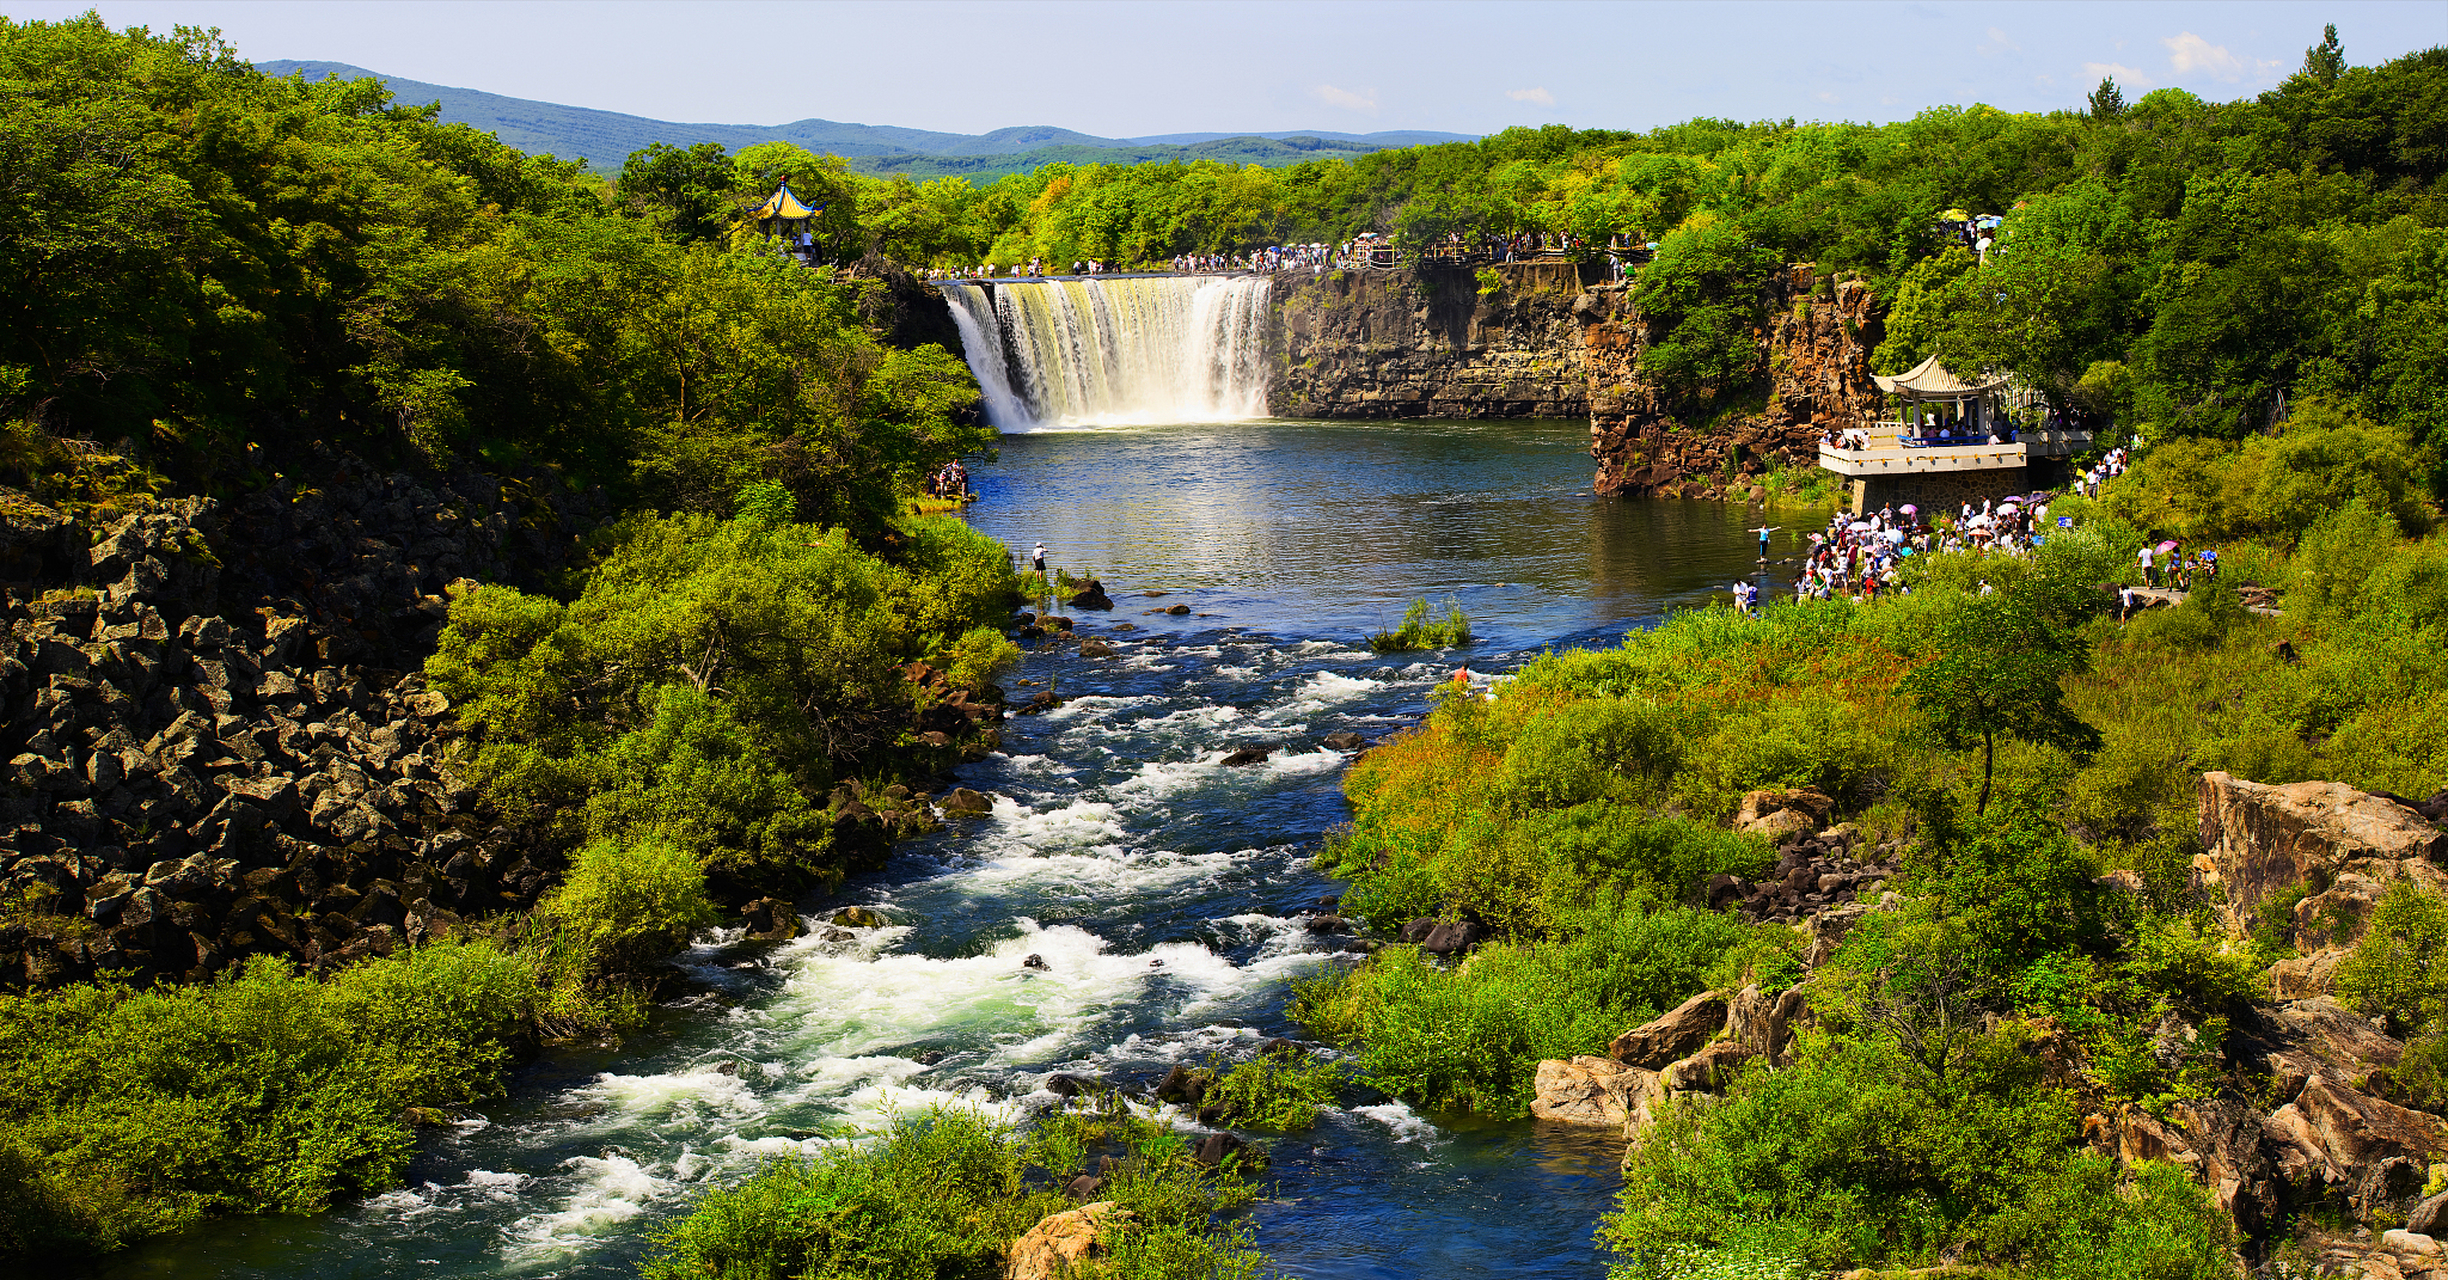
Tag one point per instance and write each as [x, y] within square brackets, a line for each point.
[2145, 557]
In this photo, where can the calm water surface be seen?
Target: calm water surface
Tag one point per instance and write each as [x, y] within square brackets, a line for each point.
[1118, 841]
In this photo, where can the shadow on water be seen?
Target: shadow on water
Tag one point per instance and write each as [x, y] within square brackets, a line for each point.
[1165, 891]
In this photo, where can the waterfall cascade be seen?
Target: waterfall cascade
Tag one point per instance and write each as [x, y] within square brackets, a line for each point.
[1143, 350]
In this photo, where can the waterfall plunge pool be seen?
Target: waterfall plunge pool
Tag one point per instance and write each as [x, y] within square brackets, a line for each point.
[1117, 838]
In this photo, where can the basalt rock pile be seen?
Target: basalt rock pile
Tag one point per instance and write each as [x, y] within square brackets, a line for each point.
[212, 747]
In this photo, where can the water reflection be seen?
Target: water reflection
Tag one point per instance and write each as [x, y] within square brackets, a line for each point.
[1340, 524]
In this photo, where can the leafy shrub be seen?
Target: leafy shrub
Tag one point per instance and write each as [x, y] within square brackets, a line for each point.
[126, 1114]
[1279, 1090]
[1578, 752]
[711, 683]
[625, 904]
[1418, 632]
[977, 657]
[1808, 739]
[1470, 1038]
[2400, 972]
[940, 1196]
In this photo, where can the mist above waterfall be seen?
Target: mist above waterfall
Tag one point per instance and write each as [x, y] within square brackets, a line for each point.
[1079, 353]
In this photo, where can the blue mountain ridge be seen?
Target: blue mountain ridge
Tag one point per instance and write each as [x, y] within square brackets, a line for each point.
[605, 138]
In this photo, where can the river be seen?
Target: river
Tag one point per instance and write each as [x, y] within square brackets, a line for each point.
[1164, 892]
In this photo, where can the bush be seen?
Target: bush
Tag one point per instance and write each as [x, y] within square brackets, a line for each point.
[126, 1114]
[626, 904]
[941, 1195]
[1417, 632]
[1470, 1038]
[1278, 1090]
[712, 682]
[1851, 1157]
[2399, 971]
[1582, 750]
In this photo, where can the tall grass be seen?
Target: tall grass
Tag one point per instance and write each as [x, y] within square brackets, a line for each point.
[1418, 631]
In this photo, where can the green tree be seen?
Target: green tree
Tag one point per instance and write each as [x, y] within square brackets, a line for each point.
[2107, 101]
[691, 192]
[1997, 670]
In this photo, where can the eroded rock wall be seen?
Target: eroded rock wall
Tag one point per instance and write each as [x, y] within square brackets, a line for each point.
[216, 742]
[1818, 354]
[1388, 344]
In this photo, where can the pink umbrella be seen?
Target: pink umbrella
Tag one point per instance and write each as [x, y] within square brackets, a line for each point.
[1909, 509]
[2167, 546]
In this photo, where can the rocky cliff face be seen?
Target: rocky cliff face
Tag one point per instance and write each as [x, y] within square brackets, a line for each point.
[216, 741]
[1384, 344]
[1818, 350]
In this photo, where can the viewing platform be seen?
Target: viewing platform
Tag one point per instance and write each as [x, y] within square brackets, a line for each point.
[1953, 440]
[1890, 452]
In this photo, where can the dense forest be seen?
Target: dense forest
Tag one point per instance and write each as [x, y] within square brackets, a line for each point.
[225, 285]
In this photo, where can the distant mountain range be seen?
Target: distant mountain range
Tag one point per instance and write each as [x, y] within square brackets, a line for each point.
[604, 139]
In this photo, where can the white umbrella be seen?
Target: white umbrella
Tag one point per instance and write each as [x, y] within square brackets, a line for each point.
[1861, 526]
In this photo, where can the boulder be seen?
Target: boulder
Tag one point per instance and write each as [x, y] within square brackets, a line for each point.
[1248, 756]
[858, 918]
[1782, 813]
[1707, 1071]
[2346, 845]
[1216, 1148]
[2376, 1152]
[1094, 648]
[2305, 977]
[1063, 1084]
[963, 800]
[1184, 1086]
[1092, 596]
[1345, 740]
[1452, 937]
[1179, 610]
[1589, 1090]
[1676, 1033]
[2430, 1218]
[771, 919]
[1061, 1244]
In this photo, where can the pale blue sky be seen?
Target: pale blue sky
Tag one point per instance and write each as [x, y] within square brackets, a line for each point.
[1129, 69]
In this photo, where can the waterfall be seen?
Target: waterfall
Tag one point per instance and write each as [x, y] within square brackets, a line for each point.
[1087, 352]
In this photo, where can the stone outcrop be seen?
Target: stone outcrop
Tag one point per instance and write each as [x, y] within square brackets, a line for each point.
[1063, 1244]
[2344, 846]
[1817, 350]
[1676, 1033]
[2321, 1131]
[1383, 344]
[1782, 813]
[207, 755]
[1590, 1090]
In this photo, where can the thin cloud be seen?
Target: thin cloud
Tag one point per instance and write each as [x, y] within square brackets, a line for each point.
[1348, 99]
[2192, 55]
[2000, 40]
[2125, 76]
[1539, 96]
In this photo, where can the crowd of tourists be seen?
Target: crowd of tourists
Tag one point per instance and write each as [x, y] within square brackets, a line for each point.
[1861, 555]
[949, 481]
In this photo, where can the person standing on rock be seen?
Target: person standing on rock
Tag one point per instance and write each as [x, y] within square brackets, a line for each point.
[1763, 532]
[1037, 558]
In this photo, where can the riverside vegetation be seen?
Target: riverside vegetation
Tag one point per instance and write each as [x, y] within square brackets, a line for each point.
[2043, 932]
[237, 296]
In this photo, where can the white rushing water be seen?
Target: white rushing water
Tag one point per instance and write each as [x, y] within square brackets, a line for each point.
[1073, 353]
